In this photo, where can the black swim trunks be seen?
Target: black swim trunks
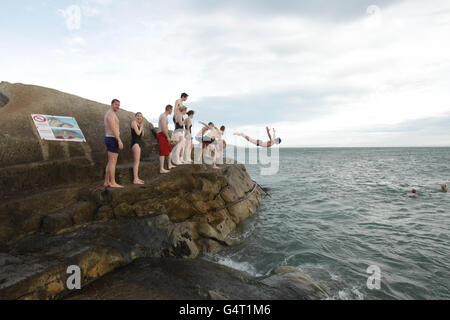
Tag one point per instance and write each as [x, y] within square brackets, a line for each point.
[112, 144]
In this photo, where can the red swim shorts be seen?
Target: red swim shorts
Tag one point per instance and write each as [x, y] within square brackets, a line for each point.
[164, 146]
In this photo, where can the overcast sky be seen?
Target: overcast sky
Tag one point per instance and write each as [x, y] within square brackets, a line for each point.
[324, 73]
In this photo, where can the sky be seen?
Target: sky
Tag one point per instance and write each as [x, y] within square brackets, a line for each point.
[348, 73]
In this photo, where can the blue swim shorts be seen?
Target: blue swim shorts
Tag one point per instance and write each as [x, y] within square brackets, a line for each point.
[112, 144]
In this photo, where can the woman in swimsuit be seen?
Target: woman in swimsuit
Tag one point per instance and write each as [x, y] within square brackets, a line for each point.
[178, 137]
[259, 143]
[137, 133]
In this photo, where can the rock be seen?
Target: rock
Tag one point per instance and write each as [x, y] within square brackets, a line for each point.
[104, 229]
[55, 213]
[174, 279]
[290, 279]
[28, 163]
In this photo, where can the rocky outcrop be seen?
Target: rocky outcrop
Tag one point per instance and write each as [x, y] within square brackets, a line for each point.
[27, 163]
[55, 213]
[174, 279]
[183, 214]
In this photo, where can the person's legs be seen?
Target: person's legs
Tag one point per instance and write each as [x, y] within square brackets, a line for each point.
[246, 137]
[214, 156]
[112, 171]
[162, 159]
[187, 150]
[107, 178]
[220, 152]
[137, 159]
[169, 158]
[181, 143]
[176, 152]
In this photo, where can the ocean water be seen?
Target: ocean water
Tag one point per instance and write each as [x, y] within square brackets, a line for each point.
[335, 212]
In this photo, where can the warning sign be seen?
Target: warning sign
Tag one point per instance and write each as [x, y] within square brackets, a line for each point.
[56, 128]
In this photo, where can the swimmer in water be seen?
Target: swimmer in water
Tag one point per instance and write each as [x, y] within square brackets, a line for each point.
[272, 140]
[444, 188]
[413, 193]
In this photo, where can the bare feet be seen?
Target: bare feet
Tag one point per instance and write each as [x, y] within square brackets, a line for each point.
[106, 185]
[139, 182]
[164, 171]
[216, 168]
[116, 186]
[172, 167]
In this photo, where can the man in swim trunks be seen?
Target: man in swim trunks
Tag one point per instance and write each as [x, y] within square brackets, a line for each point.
[272, 141]
[178, 105]
[165, 149]
[208, 141]
[113, 143]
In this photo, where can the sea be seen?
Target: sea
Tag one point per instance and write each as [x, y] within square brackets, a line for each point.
[344, 217]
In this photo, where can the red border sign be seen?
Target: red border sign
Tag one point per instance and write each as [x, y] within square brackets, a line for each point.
[40, 119]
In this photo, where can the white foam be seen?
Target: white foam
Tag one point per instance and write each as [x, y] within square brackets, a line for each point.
[241, 266]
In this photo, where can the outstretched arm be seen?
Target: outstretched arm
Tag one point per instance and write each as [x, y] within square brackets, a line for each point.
[268, 133]
[204, 124]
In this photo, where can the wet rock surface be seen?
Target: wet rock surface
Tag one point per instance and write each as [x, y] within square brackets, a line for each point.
[175, 279]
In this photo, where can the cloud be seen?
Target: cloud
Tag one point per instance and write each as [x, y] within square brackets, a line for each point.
[320, 71]
[72, 15]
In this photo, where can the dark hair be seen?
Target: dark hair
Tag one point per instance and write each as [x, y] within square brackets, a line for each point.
[184, 95]
[138, 114]
[114, 101]
[210, 124]
[191, 112]
[222, 128]
[169, 107]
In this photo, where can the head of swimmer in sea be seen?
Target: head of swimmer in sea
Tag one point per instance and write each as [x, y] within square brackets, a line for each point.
[191, 114]
[115, 105]
[414, 191]
[444, 187]
[139, 117]
[184, 96]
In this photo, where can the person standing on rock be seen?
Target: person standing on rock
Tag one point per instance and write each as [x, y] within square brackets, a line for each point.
[221, 144]
[137, 133]
[208, 142]
[178, 105]
[113, 143]
[178, 138]
[165, 149]
[188, 137]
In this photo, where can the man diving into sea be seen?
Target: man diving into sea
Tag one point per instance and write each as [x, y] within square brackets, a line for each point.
[272, 140]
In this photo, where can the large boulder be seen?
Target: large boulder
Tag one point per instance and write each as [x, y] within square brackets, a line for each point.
[28, 163]
[172, 279]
